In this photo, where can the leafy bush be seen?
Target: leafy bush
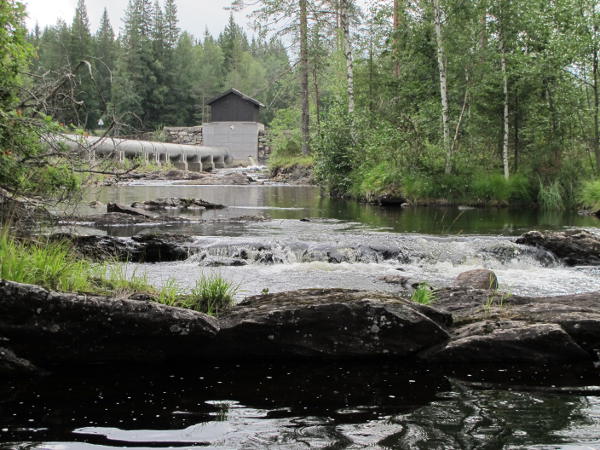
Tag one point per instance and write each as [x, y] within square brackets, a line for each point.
[284, 134]
[334, 151]
[589, 194]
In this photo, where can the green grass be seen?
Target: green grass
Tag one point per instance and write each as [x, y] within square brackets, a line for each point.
[285, 162]
[112, 279]
[423, 295]
[52, 265]
[56, 266]
[212, 295]
[589, 195]
[550, 196]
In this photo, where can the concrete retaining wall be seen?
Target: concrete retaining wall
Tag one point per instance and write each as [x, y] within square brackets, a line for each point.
[240, 138]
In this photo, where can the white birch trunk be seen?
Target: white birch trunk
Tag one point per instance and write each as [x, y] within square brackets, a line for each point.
[344, 15]
[441, 57]
[506, 123]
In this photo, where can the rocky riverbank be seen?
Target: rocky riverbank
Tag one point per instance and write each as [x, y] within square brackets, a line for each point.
[44, 329]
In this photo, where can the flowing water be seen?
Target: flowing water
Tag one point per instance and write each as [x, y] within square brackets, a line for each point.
[306, 240]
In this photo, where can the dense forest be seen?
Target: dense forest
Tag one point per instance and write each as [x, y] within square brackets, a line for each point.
[486, 101]
[151, 74]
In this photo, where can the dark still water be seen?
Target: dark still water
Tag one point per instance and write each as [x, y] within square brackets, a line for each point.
[298, 202]
[335, 406]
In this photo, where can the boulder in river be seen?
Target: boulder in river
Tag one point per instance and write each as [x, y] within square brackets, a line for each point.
[477, 279]
[149, 248]
[329, 323]
[499, 327]
[573, 247]
[124, 209]
[510, 341]
[51, 328]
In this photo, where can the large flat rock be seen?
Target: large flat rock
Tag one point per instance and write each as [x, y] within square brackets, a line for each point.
[330, 323]
[510, 342]
[55, 328]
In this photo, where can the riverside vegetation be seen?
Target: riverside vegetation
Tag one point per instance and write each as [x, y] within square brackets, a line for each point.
[485, 104]
[55, 265]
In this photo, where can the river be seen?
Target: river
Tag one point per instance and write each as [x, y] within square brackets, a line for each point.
[306, 240]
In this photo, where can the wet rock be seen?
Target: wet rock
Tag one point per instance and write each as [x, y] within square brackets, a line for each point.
[96, 204]
[176, 203]
[118, 219]
[149, 248]
[395, 279]
[577, 315]
[236, 179]
[124, 209]
[162, 247]
[573, 247]
[510, 342]
[389, 199]
[51, 328]
[214, 261]
[11, 364]
[477, 279]
[296, 175]
[333, 323]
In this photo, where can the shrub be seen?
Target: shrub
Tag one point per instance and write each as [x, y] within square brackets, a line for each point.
[589, 194]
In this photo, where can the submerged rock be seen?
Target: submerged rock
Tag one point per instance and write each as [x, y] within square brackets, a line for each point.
[124, 209]
[477, 279]
[52, 328]
[329, 323]
[573, 247]
[11, 364]
[118, 219]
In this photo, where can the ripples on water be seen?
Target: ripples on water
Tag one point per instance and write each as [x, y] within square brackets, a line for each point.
[334, 406]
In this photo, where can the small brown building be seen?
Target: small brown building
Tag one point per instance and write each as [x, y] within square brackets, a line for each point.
[234, 106]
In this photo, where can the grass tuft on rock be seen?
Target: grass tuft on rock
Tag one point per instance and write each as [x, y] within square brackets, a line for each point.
[56, 266]
[423, 294]
[212, 295]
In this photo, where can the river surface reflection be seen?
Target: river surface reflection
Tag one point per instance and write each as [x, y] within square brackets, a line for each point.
[306, 406]
[299, 202]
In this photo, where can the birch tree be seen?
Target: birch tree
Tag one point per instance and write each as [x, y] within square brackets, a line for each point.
[443, 74]
[288, 17]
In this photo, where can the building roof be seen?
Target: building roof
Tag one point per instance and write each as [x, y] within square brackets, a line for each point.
[239, 94]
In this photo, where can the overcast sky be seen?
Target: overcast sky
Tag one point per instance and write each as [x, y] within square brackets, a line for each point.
[194, 15]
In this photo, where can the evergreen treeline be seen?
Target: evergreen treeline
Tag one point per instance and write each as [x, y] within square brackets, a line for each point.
[152, 74]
